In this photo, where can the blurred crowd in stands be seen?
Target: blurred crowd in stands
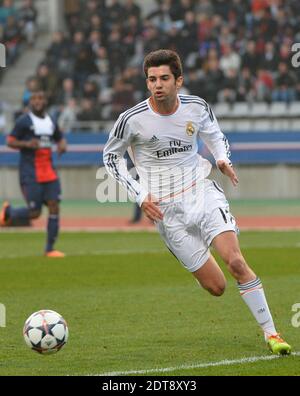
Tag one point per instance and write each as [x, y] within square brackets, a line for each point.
[17, 27]
[233, 50]
[18, 30]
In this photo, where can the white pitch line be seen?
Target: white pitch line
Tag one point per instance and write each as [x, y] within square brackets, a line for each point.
[137, 251]
[195, 366]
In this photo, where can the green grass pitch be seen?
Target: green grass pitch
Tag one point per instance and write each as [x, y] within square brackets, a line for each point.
[130, 306]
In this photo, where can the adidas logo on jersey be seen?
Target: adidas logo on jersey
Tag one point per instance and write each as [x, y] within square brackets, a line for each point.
[154, 139]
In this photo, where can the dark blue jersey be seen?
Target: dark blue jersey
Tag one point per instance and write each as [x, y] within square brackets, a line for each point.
[36, 165]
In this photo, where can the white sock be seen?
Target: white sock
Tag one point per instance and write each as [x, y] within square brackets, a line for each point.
[253, 295]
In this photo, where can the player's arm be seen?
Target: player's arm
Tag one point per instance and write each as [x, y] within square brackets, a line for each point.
[115, 163]
[61, 142]
[61, 146]
[150, 207]
[16, 139]
[228, 170]
[16, 144]
[119, 140]
[217, 144]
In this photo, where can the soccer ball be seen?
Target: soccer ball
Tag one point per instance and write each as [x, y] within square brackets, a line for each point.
[45, 332]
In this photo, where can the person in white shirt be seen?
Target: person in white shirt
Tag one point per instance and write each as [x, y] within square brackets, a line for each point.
[189, 210]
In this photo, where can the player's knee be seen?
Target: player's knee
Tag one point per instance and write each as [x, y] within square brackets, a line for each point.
[35, 213]
[53, 207]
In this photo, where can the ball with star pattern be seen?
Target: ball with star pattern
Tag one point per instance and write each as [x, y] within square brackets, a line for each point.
[45, 332]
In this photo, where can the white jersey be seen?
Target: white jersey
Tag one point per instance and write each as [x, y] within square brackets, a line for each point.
[164, 148]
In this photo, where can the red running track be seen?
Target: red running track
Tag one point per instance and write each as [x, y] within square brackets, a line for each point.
[122, 224]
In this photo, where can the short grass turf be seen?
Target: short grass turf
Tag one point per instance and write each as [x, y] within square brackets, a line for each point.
[130, 306]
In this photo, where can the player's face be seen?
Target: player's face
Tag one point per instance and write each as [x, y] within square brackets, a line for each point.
[162, 84]
[38, 102]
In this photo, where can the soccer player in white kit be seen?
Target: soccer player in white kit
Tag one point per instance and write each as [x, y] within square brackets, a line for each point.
[189, 210]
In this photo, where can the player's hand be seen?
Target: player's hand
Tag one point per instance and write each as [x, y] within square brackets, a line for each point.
[151, 209]
[228, 170]
[32, 144]
[61, 147]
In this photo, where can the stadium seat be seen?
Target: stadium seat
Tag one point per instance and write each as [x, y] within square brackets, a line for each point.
[222, 110]
[240, 110]
[261, 124]
[259, 109]
[259, 114]
[294, 109]
[226, 125]
[278, 109]
[243, 125]
[294, 124]
[278, 114]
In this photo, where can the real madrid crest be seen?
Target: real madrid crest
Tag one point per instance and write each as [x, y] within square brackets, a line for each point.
[190, 129]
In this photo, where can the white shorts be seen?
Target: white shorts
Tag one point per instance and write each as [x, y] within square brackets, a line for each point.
[189, 226]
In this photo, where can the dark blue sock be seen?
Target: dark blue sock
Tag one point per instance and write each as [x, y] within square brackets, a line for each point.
[53, 228]
[137, 216]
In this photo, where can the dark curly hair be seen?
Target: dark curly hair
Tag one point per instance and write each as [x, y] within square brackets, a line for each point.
[164, 57]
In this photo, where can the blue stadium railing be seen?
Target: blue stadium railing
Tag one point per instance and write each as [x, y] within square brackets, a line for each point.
[86, 149]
